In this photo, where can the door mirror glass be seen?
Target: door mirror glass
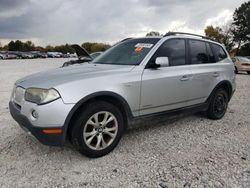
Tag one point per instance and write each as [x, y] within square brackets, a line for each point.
[162, 61]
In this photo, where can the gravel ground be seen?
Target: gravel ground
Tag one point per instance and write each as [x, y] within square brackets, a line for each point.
[188, 151]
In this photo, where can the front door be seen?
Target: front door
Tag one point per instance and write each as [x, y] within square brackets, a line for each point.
[166, 88]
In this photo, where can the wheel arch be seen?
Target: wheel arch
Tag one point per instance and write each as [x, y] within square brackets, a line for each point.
[111, 97]
[225, 85]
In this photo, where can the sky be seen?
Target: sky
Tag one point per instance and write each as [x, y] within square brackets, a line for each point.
[76, 21]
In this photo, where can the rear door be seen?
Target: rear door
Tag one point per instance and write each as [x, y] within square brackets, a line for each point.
[207, 66]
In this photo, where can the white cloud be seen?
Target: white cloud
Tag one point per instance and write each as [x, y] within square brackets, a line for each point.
[222, 18]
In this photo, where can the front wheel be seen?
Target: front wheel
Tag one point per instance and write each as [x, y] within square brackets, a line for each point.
[98, 129]
[218, 104]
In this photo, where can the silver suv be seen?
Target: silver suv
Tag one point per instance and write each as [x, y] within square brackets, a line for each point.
[91, 104]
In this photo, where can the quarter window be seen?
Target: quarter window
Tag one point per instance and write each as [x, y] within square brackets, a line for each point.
[219, 53]
[175, 50]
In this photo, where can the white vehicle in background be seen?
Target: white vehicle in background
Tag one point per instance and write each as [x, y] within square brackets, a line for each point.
[2, 56]
[241, 64]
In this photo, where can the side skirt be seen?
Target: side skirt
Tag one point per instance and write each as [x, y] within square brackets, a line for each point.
[185, 110]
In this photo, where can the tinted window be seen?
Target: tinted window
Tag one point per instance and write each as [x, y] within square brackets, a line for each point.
[211, 57]
[129, 52]
[220, 54]
[175, 50]
[198, 52]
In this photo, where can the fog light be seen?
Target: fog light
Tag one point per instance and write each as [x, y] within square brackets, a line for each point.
[34, 114]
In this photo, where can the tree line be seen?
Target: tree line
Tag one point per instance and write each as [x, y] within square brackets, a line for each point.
[66, 48]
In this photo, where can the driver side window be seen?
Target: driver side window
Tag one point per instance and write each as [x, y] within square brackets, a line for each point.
[175, 50]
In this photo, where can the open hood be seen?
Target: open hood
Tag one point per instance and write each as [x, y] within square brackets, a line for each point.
[81, 52]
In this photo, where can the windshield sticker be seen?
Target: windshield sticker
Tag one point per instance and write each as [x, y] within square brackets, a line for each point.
[144, 45]
[138, 49]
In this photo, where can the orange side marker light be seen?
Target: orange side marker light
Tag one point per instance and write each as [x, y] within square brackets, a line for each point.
[52, 131]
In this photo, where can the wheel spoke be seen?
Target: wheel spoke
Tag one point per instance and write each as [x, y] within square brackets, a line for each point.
[111, 118]
[104, 144]
[90, 139]
[90, 122]
[110, 129]
[96, 118]
[88, 134]
[99, 140]
[106, 115]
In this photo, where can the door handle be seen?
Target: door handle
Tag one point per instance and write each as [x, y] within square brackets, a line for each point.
[216, 74]
[184, 78]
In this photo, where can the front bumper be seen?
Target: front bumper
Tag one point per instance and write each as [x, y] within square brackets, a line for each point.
[44, 138]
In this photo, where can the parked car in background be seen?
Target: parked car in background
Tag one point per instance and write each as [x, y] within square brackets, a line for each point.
[27, 55]
[83, 56]
[11, 55]
[54, 54]
[2, 56]
[38, 54]
[241, 64]
[93, 103]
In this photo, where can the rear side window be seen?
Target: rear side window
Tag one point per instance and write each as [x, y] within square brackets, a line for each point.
[175, 50]
[198, 52]
[219, 52]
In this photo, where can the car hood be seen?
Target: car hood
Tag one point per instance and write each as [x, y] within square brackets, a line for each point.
[55, 77]
[80, 51]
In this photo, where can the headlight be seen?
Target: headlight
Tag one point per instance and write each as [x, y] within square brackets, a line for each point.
[41, 96]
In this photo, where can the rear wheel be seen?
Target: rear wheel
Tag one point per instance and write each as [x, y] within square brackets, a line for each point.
[98, 129]
[218, 104]
[248, 72]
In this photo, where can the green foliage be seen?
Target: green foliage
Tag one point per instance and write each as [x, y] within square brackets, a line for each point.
[20, 46]
[153, 33]
[224, 36]
[95, 47]
[241, 23]
[244, 50]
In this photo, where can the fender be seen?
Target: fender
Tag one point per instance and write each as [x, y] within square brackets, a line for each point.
[104, 94]
[221, 84]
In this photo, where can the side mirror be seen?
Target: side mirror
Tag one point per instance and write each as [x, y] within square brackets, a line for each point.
[162, 61]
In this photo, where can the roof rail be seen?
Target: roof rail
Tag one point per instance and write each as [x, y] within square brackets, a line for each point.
[182, 33]
[126, 39]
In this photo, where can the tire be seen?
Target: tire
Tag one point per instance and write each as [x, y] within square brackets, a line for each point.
[248, 72]
[236, 70]
[86, 130]
[218, 104]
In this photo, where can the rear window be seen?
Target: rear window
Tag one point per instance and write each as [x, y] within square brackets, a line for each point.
[219, 52]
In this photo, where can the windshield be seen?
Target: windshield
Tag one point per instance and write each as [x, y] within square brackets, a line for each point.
[244, 59]
[130, 52]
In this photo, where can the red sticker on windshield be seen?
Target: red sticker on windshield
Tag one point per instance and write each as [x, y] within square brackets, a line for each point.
[138, 49]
